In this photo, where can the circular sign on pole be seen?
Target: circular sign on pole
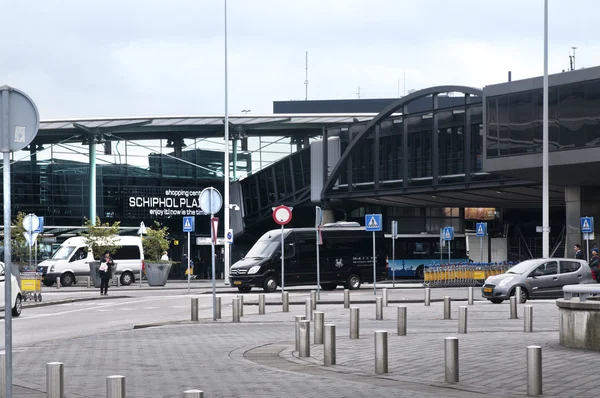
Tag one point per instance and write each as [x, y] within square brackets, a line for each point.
[23, 119]
[282, 215]
[31, 222]
[211, 200]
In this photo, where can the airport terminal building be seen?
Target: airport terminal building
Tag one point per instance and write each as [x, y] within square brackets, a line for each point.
[441, 156]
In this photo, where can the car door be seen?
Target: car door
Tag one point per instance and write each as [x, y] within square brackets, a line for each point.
[571, 272]
[544, 280]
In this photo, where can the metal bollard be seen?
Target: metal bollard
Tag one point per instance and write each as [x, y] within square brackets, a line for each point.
[447, 307]
[427, 296]
[218, 309]
[462, 320]
[381, 352]
[319, 324]
[309, 309]
[298, 319]
[378, 308]
[451, 359]
[470, 295]
[58, 282]
[402, 321]
[285, 301]
[117, 281]
[313, 297]
[55, 380]
[329, 345]
[115, 386]
[354, 322]
[261, 304]
[513, 308]
[235, 309]
[241, 306]
[193, 394]
[346, 298]
[89, 282]
[304, 337]
[384, 295]
[534, 370]
[518, 294]
[528, 325]
[2, 376]
[194, 309]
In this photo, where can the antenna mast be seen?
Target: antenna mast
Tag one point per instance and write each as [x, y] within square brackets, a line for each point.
[572, 58]
[358, 93]
[306, 79]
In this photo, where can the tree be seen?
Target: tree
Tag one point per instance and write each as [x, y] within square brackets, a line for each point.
[155, 243]
[20, 247]
[101, 238]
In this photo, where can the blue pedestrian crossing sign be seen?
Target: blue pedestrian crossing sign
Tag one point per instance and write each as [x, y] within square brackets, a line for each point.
[448, 233]
[587, 225]
[481, 229]
[373, 222]
[188, 224]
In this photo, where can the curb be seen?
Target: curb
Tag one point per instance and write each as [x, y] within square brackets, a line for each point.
[69, 300]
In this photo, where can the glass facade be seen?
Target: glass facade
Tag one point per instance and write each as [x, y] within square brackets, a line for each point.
[514, 121]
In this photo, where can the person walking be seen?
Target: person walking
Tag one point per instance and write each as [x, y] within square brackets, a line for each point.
[105, 270]
[578, 252]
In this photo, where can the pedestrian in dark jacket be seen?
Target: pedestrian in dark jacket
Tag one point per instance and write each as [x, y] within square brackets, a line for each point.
[105, 270]
[578, 252]
[594, 263]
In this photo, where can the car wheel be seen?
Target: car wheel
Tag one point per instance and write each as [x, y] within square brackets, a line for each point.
[16, 311]
[353, 282]
[244, 289]
[270, 284]
[524, 295]
[420, 273]
[496, 301]
[67, 279]
[127, 278]
[48, 283]
[328, 286]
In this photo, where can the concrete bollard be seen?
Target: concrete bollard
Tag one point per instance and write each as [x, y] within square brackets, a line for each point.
[241, 306]
[354, 322]
[309, 309]
[261, 304]
[115, 386]
[402, 321]
[451, 359]
[193, 394]
[304, 337]
[329, 345]
[235, 310]
[470, 296]
[462, 320]
[58, 282]
[194, 309]
[313, 297]
[218, 309]
[379, 308]
[346, 298]
[447, 307]
[285, 301]
[384, 296]
[55, 380]
[513, 308]
[298, 318]
[319, 324]
[89, 282]
[518, 294]
[381, 352]
[534, 370]
[427, 296]
[2, 376]
[528, 324]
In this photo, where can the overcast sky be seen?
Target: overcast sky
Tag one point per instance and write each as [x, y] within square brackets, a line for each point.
[156, 57]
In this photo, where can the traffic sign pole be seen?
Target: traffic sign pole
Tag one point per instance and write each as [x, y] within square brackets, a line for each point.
[188, 262]
[318, 220]
[282, 264]
[374, 266]
[394, 236]
[282, 215]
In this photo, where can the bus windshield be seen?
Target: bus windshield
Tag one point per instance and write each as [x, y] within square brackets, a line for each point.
[63, 253]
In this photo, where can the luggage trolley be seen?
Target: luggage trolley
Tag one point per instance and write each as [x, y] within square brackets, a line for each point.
[31, 288]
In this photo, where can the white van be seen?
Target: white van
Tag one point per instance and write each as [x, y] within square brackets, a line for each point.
[71, 260]
[16, 304]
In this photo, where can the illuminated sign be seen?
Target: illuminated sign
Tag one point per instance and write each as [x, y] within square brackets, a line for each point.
[160, 202]
[480, 213]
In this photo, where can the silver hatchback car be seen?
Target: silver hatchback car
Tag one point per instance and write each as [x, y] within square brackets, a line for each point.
[539, 278]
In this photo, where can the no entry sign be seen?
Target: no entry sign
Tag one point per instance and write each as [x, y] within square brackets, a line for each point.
[282, 215]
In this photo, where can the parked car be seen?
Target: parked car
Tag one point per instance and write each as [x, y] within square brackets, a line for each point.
[15, 292]
[538, 278]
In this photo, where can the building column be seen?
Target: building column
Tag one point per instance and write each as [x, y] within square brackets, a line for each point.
[235, 145]
[92, 175]
[580, 201]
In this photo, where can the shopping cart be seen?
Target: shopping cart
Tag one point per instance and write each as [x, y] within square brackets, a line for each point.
[31, 288]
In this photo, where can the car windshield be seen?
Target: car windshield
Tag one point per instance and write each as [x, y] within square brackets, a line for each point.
[63, 253]
[265, 246]
[523, 267]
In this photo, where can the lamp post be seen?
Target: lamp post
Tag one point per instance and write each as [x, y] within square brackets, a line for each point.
[545, 177]
[226, 162]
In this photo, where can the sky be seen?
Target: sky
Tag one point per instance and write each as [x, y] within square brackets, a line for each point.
[114, 58]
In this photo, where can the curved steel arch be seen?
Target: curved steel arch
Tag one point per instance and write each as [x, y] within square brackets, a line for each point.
[384, 114]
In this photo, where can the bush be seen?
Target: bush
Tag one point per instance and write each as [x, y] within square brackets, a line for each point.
[155, 242]
[101, 238]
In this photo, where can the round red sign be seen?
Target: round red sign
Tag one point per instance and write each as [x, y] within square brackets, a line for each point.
[282, 215]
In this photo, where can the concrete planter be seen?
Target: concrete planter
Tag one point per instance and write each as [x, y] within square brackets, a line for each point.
[157, 273]
[579, 323]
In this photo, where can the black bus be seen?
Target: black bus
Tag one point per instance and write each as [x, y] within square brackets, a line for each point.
[345, 258]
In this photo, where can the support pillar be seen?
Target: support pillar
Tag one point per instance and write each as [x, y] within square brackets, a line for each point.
[92, 156]
[580, 201]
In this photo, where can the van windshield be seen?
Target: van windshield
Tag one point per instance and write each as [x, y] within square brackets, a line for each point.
[263, 249]
[63, 253]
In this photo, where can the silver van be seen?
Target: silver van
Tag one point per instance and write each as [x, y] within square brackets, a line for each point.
[539, 278]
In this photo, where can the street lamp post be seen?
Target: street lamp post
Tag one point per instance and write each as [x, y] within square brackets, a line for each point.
[545, 177]
[226, 162]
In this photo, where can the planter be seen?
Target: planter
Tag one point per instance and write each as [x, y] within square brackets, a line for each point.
[95, 272]
[157, 273]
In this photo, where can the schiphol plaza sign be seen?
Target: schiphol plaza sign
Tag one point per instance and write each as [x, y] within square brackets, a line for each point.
[167, 203]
